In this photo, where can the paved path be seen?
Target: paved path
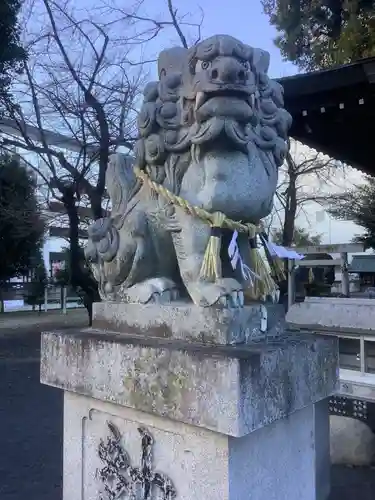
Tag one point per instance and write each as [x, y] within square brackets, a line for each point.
[30, 426]
[23, 322]
[31, 433]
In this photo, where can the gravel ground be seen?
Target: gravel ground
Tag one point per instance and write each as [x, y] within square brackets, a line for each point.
[31, 433]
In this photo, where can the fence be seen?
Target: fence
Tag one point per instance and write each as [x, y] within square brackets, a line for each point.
[14, 297]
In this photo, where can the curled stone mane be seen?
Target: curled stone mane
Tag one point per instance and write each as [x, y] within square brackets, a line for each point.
[171, 137]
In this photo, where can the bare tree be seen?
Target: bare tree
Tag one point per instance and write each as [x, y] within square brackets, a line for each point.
[77, 102]
[79, 86]
[186, 27]
[306, 177]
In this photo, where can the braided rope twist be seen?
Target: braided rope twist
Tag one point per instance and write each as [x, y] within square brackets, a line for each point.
[200, 213]
[211, 266]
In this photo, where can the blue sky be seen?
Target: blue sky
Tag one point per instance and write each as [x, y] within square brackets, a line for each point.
[245, 20]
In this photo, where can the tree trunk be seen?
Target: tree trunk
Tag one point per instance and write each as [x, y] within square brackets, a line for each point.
[290, 204]
[96, 206]
[89, 306]
[81, 278]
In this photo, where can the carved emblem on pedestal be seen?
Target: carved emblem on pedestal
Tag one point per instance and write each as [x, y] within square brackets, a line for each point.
[121, 480]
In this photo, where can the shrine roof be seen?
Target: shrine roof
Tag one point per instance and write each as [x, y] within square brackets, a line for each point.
[334, 111]
[363, 264]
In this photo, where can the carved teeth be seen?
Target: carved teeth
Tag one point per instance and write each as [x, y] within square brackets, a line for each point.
[251, 100]
[200, 99]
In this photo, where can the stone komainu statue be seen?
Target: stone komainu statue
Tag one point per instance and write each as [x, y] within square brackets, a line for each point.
[213, 132]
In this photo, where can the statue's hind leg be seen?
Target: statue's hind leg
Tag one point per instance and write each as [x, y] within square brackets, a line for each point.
[190, 244]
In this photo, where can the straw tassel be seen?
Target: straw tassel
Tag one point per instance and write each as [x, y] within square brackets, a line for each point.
[264, 285]
[211, 269]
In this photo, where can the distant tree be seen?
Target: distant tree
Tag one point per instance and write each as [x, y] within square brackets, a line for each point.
[12, 53]
[323, 33]
[301, 237]
[357, 205]
[39, 281]
[21, 223]
[306, 177]
[62, 275]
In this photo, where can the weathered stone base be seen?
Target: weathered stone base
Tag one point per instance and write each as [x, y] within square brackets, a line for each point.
[222, 422]
[287, 460]
[232, 390]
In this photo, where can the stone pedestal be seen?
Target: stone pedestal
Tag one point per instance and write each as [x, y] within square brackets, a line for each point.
[157, 411]
[352, 439]
[333, 315]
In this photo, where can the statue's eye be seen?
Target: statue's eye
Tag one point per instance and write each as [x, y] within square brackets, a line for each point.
[202, 66]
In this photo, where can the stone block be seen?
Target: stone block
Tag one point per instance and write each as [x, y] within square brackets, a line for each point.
[229, 389]
[325, 313]
[185, 321]
[287, 460]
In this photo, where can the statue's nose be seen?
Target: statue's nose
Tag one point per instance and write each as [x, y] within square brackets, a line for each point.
[228, 70]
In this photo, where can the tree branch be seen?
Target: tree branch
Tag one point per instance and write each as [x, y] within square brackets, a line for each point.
[173, 14]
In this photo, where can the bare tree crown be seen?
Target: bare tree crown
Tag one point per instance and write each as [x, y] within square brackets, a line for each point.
[82, 81]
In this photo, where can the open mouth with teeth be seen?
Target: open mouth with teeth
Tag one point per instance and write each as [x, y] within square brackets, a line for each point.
[202, 97]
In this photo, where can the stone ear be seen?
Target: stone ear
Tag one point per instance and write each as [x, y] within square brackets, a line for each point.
[261, 61]
[172, 60]
[150, 92]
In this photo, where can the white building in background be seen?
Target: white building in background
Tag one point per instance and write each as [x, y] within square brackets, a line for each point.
[54, 244]
[8, 129]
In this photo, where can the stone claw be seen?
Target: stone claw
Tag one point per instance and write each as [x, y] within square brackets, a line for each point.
[233, 295]
[223, 300]
[165, 297]
[226, 292]
[156, 290]
[235, 299]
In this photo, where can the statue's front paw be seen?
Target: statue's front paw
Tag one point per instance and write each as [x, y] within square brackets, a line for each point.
[155, 290]
[226, 292]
